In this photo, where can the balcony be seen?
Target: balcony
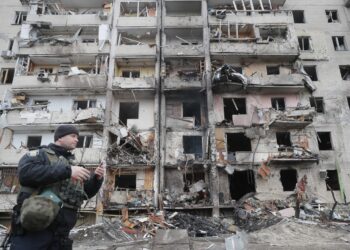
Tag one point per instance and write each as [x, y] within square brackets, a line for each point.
[72, 20]
[173, 50]
[293, 155]
[55, 84]
[183, 21]
[135, 51]
[257, 41]
[271, 84]
[133, 83]
[60, 49]
[46, 119]
[137, 14]
[183, 82]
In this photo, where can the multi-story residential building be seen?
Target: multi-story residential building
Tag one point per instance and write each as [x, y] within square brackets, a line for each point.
[193, 104]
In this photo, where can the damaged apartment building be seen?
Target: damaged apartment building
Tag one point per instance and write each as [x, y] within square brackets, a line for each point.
[192, 104]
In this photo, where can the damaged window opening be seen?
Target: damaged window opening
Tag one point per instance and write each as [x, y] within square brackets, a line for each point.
[46, 70]
[85, 104]
[273, 34]
[339, 43]
[193, 145]
[192, 109]
[241, 183]
[289, 179]
[131, 74]
[332, 16]
[278, 103]
[125, 181]
[324, 141]
[41, 102]
[10, 44]
[234, 106]
[311, 71]
[298, 16]
[128, 110]
[191, 178]
[304, 43]
[33, 141]
[20, 17]
[317, 103]
[138, 9]
[272, 70]
[238, 69]
[345, 72]
[348, 99]
[84, 141]
[332, 180]
[283, 139]
[237, 142]
[7, 76]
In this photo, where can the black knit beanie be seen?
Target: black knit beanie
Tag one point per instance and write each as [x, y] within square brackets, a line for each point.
[65, 130]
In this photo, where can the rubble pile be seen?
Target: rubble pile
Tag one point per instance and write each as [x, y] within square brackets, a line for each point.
[197, 226]
[252, 214]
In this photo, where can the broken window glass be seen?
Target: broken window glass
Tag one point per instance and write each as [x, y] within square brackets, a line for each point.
[84, 141]
[273, 34]
[193, 145]
[128, 110]
[345, 72]
[33, 141]
[332, 16]
[332, 180]
[273, 70]
[131, 74]
[192, 109]
[311, 71]
[304, 43]
[278, 103]
[7, 75]
[234, 106]
[317, 103]
[125, 181]
[20, 17]
[298, 16]
[84, 104]
[324, 141]
[289, 179]
[339, 43]
[283, 139]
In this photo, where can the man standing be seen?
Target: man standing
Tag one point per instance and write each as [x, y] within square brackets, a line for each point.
[50, 168]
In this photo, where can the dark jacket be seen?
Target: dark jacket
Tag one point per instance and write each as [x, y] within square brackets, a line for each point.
[35, 171]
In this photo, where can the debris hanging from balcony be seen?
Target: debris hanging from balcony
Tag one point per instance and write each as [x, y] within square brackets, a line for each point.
[226, 73]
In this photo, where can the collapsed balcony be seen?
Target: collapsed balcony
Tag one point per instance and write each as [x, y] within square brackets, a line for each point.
[293, 154]
[129, 148]
[226, 79]
[138, 14]
[136, 43]
[54, 75]
[285, 118]
[253, 41]
[66, 13]
[67, 40]
[184, 14]
[134, 74]
[183, 73]
[183, 42]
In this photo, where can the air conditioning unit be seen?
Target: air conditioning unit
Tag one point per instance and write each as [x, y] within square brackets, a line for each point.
[323, 174]
[43, 76]
[7, 54]
[103, 15]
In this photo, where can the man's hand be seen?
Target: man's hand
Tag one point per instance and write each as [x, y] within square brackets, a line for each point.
[100, 171]
[80, 173]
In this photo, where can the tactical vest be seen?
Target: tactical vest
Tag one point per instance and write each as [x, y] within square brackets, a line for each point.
[70, 191]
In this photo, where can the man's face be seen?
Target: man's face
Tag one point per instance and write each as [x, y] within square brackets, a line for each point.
[68, 142]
